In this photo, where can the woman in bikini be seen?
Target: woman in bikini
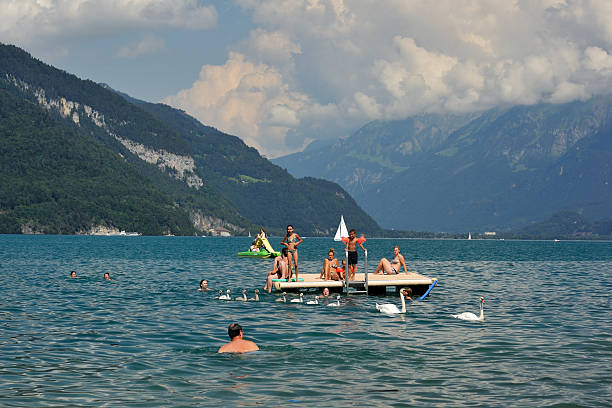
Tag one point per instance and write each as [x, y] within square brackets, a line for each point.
[329, 264]
[393, 267]
[279, 269]
[291, 241]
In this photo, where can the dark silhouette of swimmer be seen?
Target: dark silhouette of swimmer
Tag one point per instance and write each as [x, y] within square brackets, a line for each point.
[238, 344]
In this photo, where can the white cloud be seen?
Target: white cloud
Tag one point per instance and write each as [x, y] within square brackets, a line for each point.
[148, 45]
[28, 22]
[248, 99]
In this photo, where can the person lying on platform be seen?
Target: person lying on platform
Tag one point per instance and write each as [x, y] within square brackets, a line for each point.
[280, 269]
[393, 267]
[237, 343]
[328, 264]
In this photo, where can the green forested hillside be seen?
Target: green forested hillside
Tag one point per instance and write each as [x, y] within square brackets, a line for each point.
[54, 180]
[212, 178]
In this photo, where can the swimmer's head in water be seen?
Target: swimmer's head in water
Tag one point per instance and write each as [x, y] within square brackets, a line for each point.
[106, 275]
[203, 284]
[72, 274]
[326, 292]
[234, 330]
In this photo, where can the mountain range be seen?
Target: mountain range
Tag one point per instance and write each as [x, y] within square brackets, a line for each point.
[77, 157]
[500, 169]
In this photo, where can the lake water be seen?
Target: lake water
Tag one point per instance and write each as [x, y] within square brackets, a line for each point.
[149, 338]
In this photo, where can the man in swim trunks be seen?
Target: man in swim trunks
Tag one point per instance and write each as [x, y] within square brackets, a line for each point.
[351, 247]
[393, 267]
[237, 343]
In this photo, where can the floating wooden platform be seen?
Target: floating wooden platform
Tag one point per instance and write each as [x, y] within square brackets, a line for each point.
[376, 283]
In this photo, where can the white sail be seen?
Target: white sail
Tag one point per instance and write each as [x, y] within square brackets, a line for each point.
[469, 235]
[342, 232]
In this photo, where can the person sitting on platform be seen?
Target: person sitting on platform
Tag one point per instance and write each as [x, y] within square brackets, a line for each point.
[393, 267]
[238, 344]
[328, 264]
[280, 269]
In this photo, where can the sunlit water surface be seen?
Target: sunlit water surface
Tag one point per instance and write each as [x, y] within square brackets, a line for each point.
[150, 338]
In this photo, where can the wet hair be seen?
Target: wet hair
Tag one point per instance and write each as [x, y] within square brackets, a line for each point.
[106, 273]
[285, 252]
[72, 272]
[203, 280]
[408, 292]
[234, 330]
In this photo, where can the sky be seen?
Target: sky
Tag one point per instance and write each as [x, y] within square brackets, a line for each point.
[282, 73]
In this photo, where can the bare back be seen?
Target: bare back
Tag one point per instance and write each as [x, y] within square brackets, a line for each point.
[238, 346]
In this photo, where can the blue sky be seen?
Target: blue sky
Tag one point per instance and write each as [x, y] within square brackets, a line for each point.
[282, 73]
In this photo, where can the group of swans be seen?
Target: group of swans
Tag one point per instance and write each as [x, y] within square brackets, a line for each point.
[386, 308]
[283, 299]
[391, 309]
[242, 298]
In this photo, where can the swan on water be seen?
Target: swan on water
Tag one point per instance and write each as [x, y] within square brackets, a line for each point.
[390, 308]
[256, 298]
[336, 303]
[469, 316]
[242, 298]
[313, 302]
[300, 300]
[283, 299]
[226, 296]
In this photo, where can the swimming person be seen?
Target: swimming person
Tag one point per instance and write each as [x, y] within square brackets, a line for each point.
[280, 269]
[107, 276]
[203, 285]
[73, 274]
[325, 292]
[292, 241]
[237, 343]
[351, 247]
[328, 264]
[393, 267]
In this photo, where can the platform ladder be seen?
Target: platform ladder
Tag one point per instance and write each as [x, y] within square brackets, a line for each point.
[348, 283]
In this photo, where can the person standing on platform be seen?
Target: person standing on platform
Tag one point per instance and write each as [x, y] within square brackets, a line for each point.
[351, 247]
[291, 241]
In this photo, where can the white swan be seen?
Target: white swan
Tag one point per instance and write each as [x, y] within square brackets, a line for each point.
[300, 300]
[390, 308]
[256, 298]
[313, 302]
[226, 296]
[242, 298]
[283, 299]
[336, 304]
[469, 316]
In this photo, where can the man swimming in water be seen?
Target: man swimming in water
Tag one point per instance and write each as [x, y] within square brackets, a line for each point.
[73, 274]
[237, 344]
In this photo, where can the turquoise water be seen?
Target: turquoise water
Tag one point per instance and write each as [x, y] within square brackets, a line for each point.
[149, 338]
